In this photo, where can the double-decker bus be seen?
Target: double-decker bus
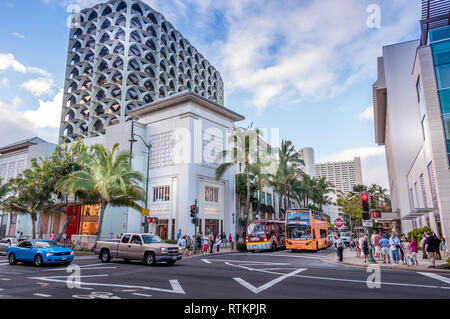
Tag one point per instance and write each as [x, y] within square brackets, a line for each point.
[265, 235]
[306, 230]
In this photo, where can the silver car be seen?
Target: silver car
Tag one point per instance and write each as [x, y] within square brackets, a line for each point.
[5, 243]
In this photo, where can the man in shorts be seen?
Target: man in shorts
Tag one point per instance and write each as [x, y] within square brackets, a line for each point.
[384, 242]
[430, 248]
[205, 244]
[377, 244]
[394, 243]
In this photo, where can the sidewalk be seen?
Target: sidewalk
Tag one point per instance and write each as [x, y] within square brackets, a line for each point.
[351, 259]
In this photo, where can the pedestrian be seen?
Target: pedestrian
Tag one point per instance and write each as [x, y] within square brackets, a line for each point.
[366, 248]
[188, 245]
[205, 244]
[178, 236]
[219, 242]
[377, 244]
[372, 241]
[212, 241]
[444, 247]
[230, 239]
[414, 250]
[395, 244]
[384, 242]
[182, 244]
[407, 252]
[430, 248]
[401, 252]
[52, 237]
[200, 242]
[18, 235]
[438, 247]
[422, 246]
[361, 246]
[340, 248]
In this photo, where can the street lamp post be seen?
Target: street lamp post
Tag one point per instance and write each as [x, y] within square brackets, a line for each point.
[148, 146]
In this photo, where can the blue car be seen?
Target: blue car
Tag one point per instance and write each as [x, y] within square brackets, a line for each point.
[39, 252]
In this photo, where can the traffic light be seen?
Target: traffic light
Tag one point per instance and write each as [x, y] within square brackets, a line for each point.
[365, 202]
[148, 220]
[193, 213]
[154, 220]
[376, 214]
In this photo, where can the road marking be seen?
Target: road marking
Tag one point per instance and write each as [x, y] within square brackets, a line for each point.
[128, 290]
[175, 285]
[269, 284]
[206, 261]
[85, 257]
[437, 277]
[88, 268]
[294, 256]
[142, 295]
[5, 279]
[1, 289]
[42, 295]
[250, 262]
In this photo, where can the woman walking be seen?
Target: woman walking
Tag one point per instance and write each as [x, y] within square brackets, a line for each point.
[365, 248]
[407, 252]
[444, 247]
[414, 251]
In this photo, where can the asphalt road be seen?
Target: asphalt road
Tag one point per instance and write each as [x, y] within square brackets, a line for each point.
[279, 275]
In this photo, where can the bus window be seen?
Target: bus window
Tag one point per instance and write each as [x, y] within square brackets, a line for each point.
[323, 233]
[256, 229]
[298, 232]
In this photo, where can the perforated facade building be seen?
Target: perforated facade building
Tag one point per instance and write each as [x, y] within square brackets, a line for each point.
[123, 55]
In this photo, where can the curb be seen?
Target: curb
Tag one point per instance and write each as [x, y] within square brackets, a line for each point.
[382, 266]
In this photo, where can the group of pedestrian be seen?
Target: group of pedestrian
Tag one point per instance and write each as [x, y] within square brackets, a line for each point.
[361, 245]
[205, 242]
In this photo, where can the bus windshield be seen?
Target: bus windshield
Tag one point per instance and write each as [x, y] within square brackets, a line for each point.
[257, 229]
[298, 216]
[298, 232]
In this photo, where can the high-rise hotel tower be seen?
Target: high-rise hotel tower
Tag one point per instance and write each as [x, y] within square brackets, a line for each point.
[122, 56]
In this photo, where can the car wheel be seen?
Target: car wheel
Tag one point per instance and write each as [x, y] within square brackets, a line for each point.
[172, 262]
[105, 257]
[12, 259]
[38, 262]
[150, 259]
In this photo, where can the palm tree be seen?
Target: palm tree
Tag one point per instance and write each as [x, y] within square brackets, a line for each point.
[321, 189]
[108, 176]
[288, 157]
[243, 152]
[5, 189]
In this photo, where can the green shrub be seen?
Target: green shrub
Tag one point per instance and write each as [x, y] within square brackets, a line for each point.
[448, 261]
[171, 242]
[418, 233]
[241, 246]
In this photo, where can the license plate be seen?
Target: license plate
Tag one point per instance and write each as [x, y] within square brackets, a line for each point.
[254, 239]
[174, 258]
[64, 258]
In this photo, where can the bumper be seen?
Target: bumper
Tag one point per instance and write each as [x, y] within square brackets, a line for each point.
[168, 257]
[57, 259]
[259, 246]
[300, 246]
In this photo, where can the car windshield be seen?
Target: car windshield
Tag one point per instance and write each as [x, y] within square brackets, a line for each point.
[345, 234]
[44, 244]
[298, 232]
[298, 216]
[256, 229]
[151, 239]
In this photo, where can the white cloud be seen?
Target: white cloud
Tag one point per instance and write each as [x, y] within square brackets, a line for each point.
[48, 115]
[8, 61]
[18, 35]
[40, 86]
[367, 114]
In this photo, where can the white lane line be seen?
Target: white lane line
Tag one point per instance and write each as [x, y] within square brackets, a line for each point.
[85, 257]
[294, 256]
[5, 279]
[128, 290]
[206, 261]
[82, 268]
[250, 262]
[1, 289]
[269, 284]
[437, 277]
[142, 295]
[85, 288]
[42, 295]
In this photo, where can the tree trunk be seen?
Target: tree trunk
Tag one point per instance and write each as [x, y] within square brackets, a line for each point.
[247, 202]
[285, 196]
[66, 224]
[100, 223]
[41, 223]
[33, 225]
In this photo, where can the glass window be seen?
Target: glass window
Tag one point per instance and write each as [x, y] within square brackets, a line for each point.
[256, 229]
[443, 76]
[445, 101]
[161, 194]
[136, 239]
[212, 226]
[420, 99]
[211, 194]
[269, 199]
[151, 239]
[440, 34]
[298, 232]
[441, 53]
[43, 244]
[446, 119]
[126, 239]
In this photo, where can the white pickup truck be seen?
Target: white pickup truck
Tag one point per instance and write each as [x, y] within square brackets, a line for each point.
[133, 246]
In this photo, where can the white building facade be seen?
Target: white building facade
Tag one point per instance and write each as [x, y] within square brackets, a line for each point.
[412, 120]
[15, 158]
[343, 175]
[187, 132]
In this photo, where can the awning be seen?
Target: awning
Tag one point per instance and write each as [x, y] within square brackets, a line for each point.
[418, 212]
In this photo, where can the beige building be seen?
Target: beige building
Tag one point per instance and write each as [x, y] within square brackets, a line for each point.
[343, 175]
[412, 120]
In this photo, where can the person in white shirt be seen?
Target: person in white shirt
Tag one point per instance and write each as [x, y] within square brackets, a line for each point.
[205, 245]
[183, 244]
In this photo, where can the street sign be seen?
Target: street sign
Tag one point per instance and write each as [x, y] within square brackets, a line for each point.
[339, 222]
[367, 223]
[146, 212]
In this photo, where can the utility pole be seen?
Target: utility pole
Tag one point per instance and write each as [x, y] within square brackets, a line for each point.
[365, 198]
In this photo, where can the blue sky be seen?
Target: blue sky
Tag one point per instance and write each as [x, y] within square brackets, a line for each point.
[303, 66]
